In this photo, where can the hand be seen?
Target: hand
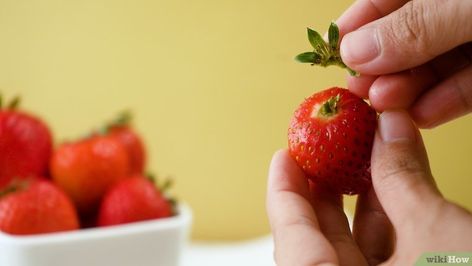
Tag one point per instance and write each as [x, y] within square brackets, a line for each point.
[403, 215]
[412, 55]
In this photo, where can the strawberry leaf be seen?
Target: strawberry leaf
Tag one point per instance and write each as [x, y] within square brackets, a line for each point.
[124, 118]
[333, 36]
[317, 42]
[324, 54]
[166, 184]
[308, 57]
[14, 103]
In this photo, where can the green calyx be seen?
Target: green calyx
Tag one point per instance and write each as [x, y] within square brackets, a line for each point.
[15, 185]
[12, 105]
[164, 186]
[124, 118]
[330, 107]
[324, 53]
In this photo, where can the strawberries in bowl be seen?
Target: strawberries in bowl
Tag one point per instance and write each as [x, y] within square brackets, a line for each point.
[55, 203]
[35, 206]
[131, 200]
[87, 168]
[99, 178]
[25, 144]
[121, 130]
[105, 171]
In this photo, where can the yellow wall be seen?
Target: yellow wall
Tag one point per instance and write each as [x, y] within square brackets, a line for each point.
[212, 84]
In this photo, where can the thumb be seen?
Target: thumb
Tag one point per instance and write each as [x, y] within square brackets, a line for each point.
[400, 170]
[408, 37]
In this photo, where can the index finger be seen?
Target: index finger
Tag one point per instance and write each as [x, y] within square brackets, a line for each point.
[297, 236]
[365, 11]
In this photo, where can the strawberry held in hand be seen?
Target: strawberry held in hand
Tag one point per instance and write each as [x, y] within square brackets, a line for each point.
[331, 136]
[131, 200]
[25, 144]
[35, 206]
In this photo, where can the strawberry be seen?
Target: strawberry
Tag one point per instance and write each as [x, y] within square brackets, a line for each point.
[25, 144]
[131, 200]
[331, 136]
[85, 169]
[122, 131]
[36, 206]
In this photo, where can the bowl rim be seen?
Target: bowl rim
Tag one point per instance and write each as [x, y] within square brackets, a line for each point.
[182, 219]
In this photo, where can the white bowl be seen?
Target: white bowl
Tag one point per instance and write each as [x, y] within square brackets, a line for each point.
[156, 242]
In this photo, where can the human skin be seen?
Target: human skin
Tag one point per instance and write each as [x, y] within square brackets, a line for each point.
[413, 55]
[400, 218]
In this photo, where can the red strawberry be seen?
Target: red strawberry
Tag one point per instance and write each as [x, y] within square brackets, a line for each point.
[86, 169]
[131, 200]
[35, 207]
[122, 131]
[25, 145]
[133, 145]
[331, 136]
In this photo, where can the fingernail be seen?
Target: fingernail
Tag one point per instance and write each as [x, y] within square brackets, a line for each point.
[360, 46]
[396, 126]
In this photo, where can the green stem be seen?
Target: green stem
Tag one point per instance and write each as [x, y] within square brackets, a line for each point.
[330, 107]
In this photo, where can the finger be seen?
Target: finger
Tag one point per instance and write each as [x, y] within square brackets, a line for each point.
[408, 37]
[365, 11]
[449, 99]
[372, 229]
[335, 226]
[298, 239]
[360, 85]
[451, 62]
[400, 90]
[400, 170]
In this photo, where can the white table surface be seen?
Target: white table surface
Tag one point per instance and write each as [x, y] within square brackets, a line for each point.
[244, 253]
[254, 252]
